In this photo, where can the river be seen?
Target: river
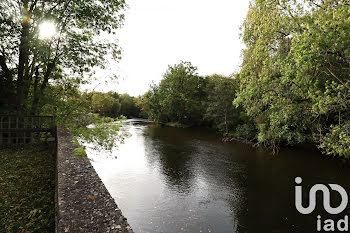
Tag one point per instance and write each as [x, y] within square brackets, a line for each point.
[187, 180]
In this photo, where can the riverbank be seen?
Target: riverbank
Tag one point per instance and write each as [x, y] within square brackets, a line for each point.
[83, 202]
[231, 138]
[27, 189]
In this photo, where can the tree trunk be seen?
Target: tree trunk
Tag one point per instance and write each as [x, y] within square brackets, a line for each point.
[5, 69]
[29, 77]
[7, 88]
[35, 92]
[22, 62]
[37, 95]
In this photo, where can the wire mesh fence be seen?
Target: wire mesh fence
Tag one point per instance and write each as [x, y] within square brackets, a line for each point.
[17, 129]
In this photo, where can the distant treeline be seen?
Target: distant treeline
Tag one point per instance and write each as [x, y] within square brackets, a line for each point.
[112, 104]
[188, 99]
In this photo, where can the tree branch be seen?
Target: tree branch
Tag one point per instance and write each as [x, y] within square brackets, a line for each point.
[315, 3]
[32, 6]
[337, 78]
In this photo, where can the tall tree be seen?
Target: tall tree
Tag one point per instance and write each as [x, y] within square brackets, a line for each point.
[178, 98]
[103, 103]
[29, 63]
[219, 108]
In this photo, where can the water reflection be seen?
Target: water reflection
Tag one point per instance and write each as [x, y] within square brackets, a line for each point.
[173, 157]
[186, 180]
[175, 180]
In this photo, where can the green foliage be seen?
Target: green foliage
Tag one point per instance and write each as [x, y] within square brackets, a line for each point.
[112, 104]
[294, 81]
[67, 104]
[75, 141]
[143, 106]
[128, 106]
[337, 140]
[99, 133]
[105, 104]
[184, 98]
[27, 193]
[80, 151]
[178, 97]
[29, 64]
[42, 76]
[73, 109]
[220, 112]
[245, 131]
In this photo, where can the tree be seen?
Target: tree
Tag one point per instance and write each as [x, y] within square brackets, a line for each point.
[128, 106]
[29, 64]
[112, 104]
[294, 80]
[152, 105]
[105, 104]
[178, 98]
[220, 110]
[141, 103]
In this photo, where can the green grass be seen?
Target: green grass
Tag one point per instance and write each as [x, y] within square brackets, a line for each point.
[80, 151]
[27, 189]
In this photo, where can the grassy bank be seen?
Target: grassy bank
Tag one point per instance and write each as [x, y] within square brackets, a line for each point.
[27, 189]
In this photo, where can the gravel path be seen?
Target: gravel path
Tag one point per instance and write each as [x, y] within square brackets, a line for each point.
[83, 202]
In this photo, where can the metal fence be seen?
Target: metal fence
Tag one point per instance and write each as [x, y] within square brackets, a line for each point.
[17, 129]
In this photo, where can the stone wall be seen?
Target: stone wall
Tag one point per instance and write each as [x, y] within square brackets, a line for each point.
[83, 202]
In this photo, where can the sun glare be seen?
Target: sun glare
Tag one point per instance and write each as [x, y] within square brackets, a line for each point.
[47, 30]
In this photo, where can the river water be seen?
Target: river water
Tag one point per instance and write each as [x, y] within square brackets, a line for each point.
[186, 180]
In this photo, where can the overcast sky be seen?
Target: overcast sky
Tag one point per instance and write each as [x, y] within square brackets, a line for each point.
[157, 33]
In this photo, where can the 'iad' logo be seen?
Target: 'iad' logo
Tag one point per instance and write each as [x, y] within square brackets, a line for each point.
[326, 198]
[328, 224]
